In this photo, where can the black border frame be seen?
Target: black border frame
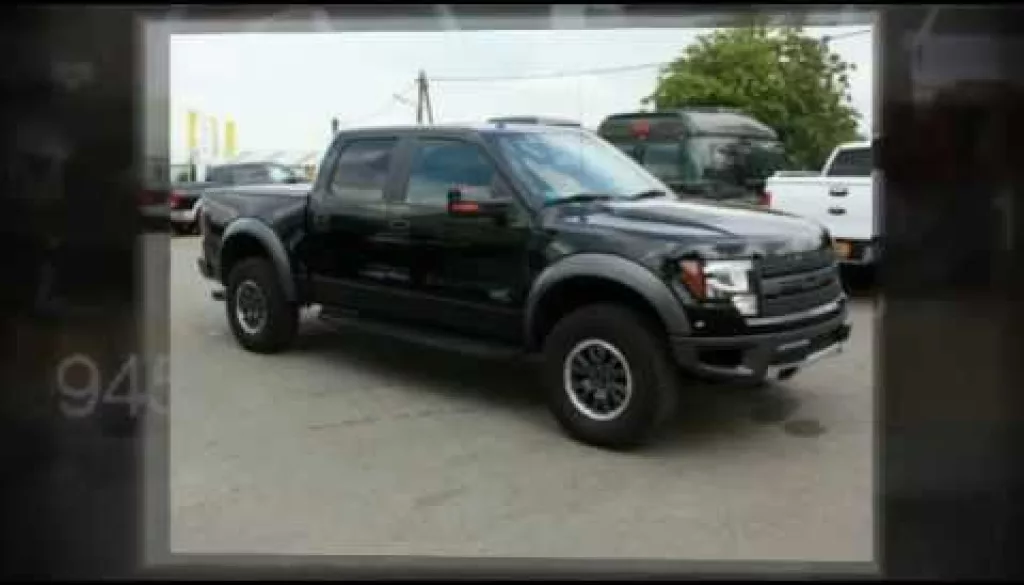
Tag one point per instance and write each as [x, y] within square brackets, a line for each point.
[90, 526]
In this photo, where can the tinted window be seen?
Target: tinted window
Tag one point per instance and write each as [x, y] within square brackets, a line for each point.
[662, 128]
[729, 124]
[251, 175]
[853, 162]
[664, 160]
[735, 160]
[279, 174]
[219, 175]
[632, 150]
[439, 165]
[362, 170]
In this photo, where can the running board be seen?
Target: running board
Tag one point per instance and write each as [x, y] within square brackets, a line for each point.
[443, 340]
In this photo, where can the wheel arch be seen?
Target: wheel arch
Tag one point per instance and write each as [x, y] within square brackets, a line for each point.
[246, 238]
[583, 279]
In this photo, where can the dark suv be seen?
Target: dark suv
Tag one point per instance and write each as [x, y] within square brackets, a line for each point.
[533, 239]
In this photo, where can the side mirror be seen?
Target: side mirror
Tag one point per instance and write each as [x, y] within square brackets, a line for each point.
[458, 207]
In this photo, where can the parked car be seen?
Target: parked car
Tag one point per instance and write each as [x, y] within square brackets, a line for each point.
[530, 239]
[708, 153]
[841, 197]
[184, 200]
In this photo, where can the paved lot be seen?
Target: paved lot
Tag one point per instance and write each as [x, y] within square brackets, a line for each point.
[352, 444]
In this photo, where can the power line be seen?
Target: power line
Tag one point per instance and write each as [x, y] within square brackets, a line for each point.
[603, 70]
[395, 98]
[555, 75]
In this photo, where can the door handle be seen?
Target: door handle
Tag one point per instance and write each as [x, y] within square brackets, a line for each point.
[838, 191]
[836, 210]
[399, 224]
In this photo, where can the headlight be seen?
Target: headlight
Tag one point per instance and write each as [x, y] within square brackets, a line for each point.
[722, 280]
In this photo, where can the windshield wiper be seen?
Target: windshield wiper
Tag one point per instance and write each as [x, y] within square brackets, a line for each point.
[648, 194]
[579, 198]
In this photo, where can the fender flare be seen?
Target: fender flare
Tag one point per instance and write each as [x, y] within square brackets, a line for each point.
[271, 243]
[616, 269]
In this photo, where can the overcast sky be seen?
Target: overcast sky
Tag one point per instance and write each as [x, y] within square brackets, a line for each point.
[283, 89]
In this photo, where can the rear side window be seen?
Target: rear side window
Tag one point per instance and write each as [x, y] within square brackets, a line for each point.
[362, 170]
[852, 162]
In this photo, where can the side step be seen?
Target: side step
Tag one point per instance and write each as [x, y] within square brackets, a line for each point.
[443, 340]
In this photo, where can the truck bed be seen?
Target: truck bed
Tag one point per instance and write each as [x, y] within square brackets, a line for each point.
[280, 207]
[267, 203]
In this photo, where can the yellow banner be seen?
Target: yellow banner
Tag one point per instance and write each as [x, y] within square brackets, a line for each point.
[230, 139]
[193, 130]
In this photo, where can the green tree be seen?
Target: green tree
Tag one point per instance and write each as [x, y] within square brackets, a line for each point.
[785, 79]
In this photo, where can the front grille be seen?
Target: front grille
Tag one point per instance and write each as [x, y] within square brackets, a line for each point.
[787, 264]
[797, 282]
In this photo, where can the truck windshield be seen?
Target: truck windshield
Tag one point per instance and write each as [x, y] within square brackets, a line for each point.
[562, 164]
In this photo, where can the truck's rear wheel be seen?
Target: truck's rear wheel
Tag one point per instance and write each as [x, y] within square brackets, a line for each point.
[608, 375]
[261, 317]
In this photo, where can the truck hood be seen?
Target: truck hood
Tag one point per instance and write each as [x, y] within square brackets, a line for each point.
[710, 229]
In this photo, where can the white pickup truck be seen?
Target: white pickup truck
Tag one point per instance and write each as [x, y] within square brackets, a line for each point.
[842, 197]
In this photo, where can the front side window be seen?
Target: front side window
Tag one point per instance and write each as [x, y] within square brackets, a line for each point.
[557, 164]
[440, 165]
[362, 170]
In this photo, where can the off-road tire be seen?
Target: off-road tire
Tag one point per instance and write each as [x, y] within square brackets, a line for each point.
[280, 326]
[654, 395]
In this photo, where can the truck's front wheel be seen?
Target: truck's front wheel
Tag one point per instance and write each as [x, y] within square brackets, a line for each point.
[261, 317]
[608, 375]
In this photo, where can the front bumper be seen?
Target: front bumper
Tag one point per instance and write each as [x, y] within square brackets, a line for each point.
[776, 355]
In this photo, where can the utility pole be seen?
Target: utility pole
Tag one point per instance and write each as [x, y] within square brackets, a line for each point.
[334, 126]
[423, 99]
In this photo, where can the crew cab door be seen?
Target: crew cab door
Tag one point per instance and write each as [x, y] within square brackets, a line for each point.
[350, 245]
[467, 268]
[848, 205]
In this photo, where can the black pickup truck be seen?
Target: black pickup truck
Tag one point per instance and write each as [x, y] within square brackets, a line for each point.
[536, 239]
